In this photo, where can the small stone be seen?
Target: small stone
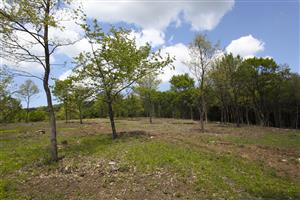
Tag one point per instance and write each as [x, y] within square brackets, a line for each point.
[283, 160]
[112, 163]
[41, 131]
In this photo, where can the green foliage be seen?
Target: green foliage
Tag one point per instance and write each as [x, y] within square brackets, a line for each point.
[146, 89]
[182, 82]
[10, 108]
[28, 90]
[37, 115]
[116, 62]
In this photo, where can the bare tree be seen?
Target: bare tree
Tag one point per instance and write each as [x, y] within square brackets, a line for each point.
[146, 89]
[202, 54]
[26, 91]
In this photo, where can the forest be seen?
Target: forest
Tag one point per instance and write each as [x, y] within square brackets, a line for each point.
[227, 129]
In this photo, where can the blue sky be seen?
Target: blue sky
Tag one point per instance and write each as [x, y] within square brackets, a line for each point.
[249, 28]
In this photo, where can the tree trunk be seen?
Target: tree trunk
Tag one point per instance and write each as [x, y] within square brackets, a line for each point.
[52, 121]
[202, 114]
[279, 117]
[112, 120]
[191, 110]
[222, 115]
[237, 116]
[80, 114]
[247, 116]
[206, 119]
[297, 116]
[66, 112]
[27, 110]
[151, 107]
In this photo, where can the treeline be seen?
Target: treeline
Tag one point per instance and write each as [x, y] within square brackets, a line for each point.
[254, 91]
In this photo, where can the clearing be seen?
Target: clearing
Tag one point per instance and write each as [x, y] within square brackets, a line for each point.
[169, 159]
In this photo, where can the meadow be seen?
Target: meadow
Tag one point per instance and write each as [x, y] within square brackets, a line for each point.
[169, 159]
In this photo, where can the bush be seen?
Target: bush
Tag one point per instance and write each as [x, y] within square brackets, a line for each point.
[37, 115]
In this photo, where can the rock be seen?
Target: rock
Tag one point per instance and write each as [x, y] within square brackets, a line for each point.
[283, 160]
[112, 163]
[41, 131]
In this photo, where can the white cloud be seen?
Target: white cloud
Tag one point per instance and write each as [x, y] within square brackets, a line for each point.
[181, 54]
[75, 49]
[154, 37]
[202, 15]
[246, 46]
[65, 75]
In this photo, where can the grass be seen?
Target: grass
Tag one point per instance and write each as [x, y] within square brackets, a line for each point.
[222, 175]
[213, 175]
[279, 140]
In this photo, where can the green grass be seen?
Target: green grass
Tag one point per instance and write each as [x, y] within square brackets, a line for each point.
[280, 140]
[216, 175]
[222, 176]
[17, 151]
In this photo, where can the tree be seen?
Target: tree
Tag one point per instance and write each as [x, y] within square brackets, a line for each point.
[8, 105]
[24, 25]
[182, 82]
[226, 78]
[80, 93]
[202, 54]
[26, 91]
[260, 76]
[146, 89]
[183, 85]
[115, 63]
[62, 90]
[5, 81]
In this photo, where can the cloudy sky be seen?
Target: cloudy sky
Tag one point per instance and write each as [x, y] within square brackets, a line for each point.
[247, 28]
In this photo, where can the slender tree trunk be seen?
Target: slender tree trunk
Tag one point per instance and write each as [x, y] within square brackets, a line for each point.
[80, 114]
[202, 113]
[66, 112]
[227, 114]
[221, 115]
[247, 115]
[27, 110]
[279, 117]
[112, 119]
[52, 121]
[150, 117]
[191, 110]
[206, 119]
[151, 112]
[297, 116]
[237, 116]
